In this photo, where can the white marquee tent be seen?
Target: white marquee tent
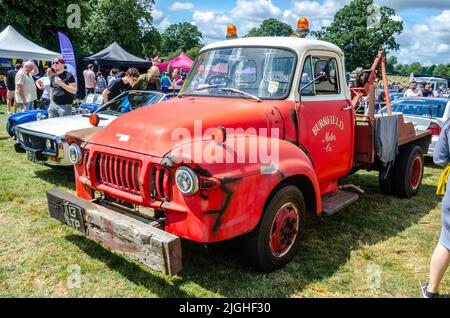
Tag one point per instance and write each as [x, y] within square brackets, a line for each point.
[14, 45]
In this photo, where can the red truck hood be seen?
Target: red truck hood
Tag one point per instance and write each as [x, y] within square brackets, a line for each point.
[149, 130]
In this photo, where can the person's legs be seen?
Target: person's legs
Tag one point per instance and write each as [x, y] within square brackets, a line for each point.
[439, 264]
[8, 104]
[89, 91]
[9, 100]
[53, 110]
[22, 107]
[30, 105]
[66, 110]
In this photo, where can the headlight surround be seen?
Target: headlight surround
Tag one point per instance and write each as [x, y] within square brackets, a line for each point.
[20, 136]
[187, 180]
[48, 144]
[75, 154]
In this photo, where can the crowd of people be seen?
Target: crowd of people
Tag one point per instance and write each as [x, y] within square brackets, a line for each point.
[118, 82]
[425, 89]
[55, 89]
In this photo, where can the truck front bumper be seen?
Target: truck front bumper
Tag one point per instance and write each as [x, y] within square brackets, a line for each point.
[119, 231]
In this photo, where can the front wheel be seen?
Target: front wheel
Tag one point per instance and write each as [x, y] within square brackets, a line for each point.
[275, 240]
[409, 172]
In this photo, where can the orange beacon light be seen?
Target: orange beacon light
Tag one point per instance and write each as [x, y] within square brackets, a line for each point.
[302, 27]
[232, 32]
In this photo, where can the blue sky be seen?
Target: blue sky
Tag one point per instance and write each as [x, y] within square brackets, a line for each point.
[426, 35]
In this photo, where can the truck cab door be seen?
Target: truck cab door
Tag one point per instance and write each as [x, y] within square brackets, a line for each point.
[326, 119]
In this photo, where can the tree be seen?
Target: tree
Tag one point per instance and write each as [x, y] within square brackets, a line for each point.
[415, 68]
[352, 32]
[391, 63]
[430, 70]
[192, 53]
[37, 22]
[181, 36]
[151, 42]
[127, 22]
[440, 70]
[271, 27]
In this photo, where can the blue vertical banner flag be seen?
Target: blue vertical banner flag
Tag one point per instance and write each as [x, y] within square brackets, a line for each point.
[68, 54]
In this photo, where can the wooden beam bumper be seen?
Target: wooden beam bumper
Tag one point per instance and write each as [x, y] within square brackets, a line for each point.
[155, 248]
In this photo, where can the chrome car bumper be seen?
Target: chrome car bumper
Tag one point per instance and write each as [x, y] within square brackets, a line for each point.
[434, 140]
[34, 142]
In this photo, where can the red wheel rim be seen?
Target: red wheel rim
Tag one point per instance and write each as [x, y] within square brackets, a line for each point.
[416, 173]
[284, 229]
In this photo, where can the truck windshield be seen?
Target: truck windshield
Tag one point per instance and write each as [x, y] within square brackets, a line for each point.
[263, 72]
[130, 101]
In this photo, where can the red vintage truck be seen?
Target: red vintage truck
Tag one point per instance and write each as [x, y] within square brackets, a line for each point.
[262, 133]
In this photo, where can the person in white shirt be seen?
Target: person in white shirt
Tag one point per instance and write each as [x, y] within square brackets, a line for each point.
[413, 91]
[44, 85]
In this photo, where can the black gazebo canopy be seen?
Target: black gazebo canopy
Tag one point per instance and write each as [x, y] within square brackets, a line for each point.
[115, 55]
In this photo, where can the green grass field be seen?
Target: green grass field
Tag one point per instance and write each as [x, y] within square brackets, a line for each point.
[384, 241]
[398, 79]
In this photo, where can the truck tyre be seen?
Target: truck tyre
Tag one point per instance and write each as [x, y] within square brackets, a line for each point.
[409, 171]
[386, 185]
[275, 240]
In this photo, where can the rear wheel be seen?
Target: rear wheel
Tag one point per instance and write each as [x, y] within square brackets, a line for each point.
[409, 172]
[274, 242]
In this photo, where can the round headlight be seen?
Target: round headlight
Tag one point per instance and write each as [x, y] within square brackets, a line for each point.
[48, 144]
[75, 154]
[186, 180]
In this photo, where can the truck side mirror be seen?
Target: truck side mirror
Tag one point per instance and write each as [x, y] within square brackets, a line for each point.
[322, 70]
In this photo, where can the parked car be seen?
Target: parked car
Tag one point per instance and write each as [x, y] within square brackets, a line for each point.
[380, 99]
[425, 113]
[90, 105]
[44, 141]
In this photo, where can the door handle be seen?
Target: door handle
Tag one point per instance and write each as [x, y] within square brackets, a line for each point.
[347, 107]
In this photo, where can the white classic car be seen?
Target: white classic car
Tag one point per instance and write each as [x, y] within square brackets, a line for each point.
[44, 140]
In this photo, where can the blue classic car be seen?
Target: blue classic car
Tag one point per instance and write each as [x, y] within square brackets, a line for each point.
[90, 105]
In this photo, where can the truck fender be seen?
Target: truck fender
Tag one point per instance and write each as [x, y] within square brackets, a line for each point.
[244, 186]
[296, 168]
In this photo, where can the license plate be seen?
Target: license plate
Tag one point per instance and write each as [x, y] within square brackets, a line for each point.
[74, 217]
[32, 157]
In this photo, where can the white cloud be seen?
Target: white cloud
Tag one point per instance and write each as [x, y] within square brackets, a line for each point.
[408, 4]
[179, 6]
[255, 10]
[160, 20]
[212, 25]
[319, 14]
[427, 42]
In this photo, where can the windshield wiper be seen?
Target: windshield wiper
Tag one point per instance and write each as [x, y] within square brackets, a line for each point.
[234, 90]
[197, 90]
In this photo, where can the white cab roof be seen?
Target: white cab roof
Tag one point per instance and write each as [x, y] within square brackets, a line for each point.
[293, 43]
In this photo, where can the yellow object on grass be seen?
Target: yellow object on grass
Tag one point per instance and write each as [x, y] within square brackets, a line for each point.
[442, 185]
